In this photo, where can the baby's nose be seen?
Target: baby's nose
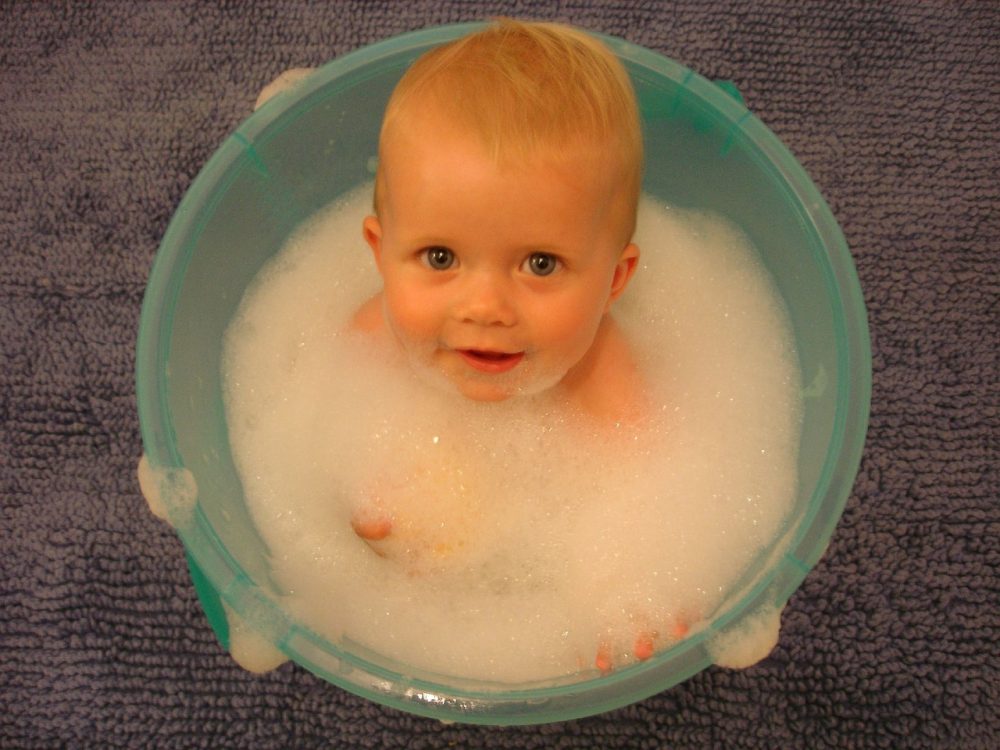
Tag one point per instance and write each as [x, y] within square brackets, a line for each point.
[486, 300]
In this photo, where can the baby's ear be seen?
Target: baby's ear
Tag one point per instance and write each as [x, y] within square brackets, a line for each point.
[628, 261]
[371, 228]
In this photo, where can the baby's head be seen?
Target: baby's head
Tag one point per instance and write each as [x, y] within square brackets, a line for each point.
[527, 91]
[510, 164]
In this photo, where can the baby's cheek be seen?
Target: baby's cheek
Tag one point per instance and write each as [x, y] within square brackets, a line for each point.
[570, 328]
[411, 314]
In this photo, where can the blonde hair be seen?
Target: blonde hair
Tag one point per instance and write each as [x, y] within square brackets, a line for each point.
[525, 88]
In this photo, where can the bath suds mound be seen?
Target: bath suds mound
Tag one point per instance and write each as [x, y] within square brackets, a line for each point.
[525, 538]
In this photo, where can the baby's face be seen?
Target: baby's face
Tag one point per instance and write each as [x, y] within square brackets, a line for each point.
[495, 279]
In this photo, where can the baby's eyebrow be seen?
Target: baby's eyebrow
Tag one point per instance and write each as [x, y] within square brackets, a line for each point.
[551, 248]
[427, 241]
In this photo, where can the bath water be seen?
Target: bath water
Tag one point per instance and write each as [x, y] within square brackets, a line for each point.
[525, 538]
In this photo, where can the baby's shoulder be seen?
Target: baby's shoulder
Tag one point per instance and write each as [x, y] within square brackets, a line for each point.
[612, 387]
[369, 318]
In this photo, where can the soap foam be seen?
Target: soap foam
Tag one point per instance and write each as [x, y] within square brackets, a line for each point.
[170, 493]
[525, 537]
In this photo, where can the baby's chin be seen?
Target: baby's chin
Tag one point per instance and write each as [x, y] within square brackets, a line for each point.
[492, 388]
[475, 389]
[488, 388]
[484, 392]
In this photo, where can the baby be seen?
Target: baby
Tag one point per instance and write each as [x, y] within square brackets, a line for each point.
[509, 172]
[505, 200]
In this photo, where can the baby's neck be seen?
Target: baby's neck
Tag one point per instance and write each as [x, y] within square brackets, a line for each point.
[606, 383]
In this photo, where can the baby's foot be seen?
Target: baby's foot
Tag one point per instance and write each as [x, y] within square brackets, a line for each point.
[646, 643]
[604, 661]
[643, 647]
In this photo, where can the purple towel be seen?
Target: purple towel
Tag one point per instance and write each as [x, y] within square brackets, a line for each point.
[108, 110]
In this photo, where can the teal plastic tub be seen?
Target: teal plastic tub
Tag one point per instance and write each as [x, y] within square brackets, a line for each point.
[308, 146]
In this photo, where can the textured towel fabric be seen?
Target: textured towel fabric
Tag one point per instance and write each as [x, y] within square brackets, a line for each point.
[108, 110]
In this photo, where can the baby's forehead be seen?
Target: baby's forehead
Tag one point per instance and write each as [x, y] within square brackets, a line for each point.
[438, 128]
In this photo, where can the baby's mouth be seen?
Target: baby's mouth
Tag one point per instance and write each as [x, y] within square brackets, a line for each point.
[489, 361]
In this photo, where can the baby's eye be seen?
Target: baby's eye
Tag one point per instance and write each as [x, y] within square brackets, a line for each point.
[439, 258]
[541, 264]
